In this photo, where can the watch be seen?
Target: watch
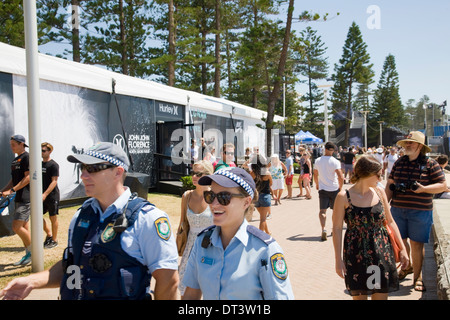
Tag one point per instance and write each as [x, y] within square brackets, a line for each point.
[12, 190]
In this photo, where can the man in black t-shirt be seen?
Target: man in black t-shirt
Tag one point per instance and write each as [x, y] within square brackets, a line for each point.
[50, 195]
[349, 158]
[20, 184]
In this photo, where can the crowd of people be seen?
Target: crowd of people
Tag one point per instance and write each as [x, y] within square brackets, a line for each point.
[116, 235]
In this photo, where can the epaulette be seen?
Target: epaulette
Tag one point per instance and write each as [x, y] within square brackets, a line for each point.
[206, 229]
[264, 237]
[207, 238]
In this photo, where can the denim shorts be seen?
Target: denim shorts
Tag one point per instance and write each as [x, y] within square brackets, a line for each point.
[413, 224]
[263, 200]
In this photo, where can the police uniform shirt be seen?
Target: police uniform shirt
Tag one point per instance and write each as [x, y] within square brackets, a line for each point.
[248, 269]
[150, 238]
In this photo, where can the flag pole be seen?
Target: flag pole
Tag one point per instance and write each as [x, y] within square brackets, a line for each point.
[34, 135]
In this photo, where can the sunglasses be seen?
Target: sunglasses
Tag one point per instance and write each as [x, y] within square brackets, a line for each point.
[93, 168]
[198, 174]
[224, 197]
[43, 150]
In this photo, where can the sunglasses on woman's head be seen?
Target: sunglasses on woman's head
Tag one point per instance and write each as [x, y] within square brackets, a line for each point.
[224, 197]
[93, 168]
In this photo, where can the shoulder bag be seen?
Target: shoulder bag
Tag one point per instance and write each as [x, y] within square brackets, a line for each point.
[183, 228]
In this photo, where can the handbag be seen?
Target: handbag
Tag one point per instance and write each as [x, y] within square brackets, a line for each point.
[183, 229]
[396, 246]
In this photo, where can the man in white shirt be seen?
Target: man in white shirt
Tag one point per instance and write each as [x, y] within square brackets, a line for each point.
[389, 160]
[329, 180]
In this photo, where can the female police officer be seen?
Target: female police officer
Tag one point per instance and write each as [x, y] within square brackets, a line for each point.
[231, 259]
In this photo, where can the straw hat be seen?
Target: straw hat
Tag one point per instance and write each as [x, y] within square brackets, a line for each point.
[415, 136]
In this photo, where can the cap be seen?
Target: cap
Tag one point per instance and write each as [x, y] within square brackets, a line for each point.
[380, 150]
[415, 136]
[101, 152]
[19, 138]
[231, 178]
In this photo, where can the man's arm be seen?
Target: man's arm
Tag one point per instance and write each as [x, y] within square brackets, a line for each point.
[340, 176]
[22, 183]
[388, 190]
[316, 178]
[50, 188]
[166, 284]
[20, 288]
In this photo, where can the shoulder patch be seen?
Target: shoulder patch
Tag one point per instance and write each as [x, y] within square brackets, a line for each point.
[279, 266]
[264, 237]
[163, 228]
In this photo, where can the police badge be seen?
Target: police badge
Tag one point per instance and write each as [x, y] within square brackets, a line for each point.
[108, 234]
[163, 228]
[279, 266]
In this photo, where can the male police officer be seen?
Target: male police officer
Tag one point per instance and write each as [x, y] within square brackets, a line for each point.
[117, 242]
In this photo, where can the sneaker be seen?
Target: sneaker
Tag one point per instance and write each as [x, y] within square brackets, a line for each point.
[50, 244]
[324, 235]
[47, 239]
[26, 259]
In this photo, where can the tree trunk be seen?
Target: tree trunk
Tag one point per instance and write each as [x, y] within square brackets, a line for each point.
[75, 31]
[217, 53]
[273, 97]
[123, 39]
[171, 63]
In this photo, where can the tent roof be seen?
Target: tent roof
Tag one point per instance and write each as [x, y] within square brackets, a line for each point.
[13, 60]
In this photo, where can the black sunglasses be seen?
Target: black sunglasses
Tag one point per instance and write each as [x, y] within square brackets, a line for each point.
[93, 168]
[224, 197]
[198, 174]
[43, 150]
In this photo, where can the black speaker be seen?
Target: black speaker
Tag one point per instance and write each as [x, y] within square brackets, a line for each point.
[138, 182]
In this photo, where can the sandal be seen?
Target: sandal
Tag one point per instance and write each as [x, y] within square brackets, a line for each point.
[403, 273]
[418, 285]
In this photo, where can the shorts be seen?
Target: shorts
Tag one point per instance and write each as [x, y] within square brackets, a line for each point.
[289, 178]
[263, 200]
[306, 176]
[22, 211]
[326, 199]
[51, 206]
[348, 168]
[413, 224]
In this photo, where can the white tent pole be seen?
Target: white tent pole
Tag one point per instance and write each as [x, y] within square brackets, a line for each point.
[34, 134]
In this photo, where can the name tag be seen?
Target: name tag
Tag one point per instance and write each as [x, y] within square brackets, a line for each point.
[83, 223]
[207, 260]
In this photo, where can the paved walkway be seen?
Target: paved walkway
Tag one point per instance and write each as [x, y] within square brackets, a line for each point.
[295, 225]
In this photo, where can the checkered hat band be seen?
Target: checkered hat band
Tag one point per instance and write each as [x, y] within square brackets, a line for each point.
[102, 156]
[237, 179]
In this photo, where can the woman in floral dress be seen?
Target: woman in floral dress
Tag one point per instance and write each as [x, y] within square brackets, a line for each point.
[198, 213]
[365, 259]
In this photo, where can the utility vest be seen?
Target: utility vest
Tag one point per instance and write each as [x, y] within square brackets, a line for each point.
[99, 268]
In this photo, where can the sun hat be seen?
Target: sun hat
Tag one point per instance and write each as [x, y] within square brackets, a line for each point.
[231, 178]
[100, 153]
[415, 136]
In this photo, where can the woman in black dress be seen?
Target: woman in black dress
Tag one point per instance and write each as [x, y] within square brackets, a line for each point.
[366, 260]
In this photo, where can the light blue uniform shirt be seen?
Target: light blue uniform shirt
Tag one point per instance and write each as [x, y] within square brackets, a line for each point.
[248, 269]
[149, 240]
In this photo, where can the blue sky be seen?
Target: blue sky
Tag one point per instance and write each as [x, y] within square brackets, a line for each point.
[416, 32]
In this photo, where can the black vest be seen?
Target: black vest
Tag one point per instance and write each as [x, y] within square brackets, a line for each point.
[107, 272]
